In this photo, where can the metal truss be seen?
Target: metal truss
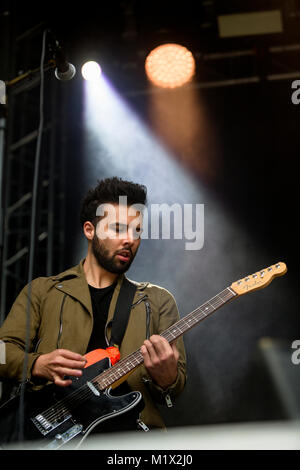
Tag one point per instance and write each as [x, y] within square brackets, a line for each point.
[18, 158]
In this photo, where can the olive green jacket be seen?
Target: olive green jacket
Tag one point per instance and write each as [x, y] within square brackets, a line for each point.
[62, 317]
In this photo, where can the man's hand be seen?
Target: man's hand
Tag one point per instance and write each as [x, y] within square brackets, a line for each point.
[160, 359]
[57, 364]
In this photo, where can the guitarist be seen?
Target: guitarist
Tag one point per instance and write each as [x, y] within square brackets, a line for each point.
[71, 314]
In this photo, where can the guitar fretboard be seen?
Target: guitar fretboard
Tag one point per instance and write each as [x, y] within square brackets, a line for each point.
[126, 365]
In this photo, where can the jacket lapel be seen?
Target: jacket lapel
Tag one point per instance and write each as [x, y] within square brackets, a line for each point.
[73, 283]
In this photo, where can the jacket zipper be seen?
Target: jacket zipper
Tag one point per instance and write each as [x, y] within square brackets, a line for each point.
[148, 314]
[60, 320]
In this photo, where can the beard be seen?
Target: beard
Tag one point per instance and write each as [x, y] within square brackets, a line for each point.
[110, 262]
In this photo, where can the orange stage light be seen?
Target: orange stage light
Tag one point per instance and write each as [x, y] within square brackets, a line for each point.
[170, 66]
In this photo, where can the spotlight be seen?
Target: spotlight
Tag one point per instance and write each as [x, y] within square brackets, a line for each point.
[91, 71]
[170, 66]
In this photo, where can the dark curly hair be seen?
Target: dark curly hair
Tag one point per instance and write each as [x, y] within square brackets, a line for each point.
[108, 191]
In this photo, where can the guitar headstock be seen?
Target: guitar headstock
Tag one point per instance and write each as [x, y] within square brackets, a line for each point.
[258, 280]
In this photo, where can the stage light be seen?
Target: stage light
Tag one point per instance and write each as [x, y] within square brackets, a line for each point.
[91, 71]
[170, 66]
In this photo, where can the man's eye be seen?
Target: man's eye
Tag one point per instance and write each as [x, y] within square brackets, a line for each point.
[138, 232]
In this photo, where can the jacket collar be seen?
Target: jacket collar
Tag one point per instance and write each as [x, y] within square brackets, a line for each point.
[73, 282]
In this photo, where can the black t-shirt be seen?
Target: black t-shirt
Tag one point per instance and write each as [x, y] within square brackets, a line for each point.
[101, 299]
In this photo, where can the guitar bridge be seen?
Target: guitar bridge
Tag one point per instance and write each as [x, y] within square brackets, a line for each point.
[47, 424]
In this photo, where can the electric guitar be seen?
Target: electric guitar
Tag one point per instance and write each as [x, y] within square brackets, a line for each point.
[56, 415]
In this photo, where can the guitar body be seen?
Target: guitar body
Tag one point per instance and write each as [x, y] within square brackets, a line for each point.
[55, 415]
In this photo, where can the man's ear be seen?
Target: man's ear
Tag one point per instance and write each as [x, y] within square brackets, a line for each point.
[89, 230]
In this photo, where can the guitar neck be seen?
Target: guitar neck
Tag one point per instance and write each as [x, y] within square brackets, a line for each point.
[193, 318]
[129, 363]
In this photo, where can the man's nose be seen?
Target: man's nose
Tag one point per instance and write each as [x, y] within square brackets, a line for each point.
[128, 238]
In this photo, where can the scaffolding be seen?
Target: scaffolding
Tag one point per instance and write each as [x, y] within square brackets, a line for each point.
[19, 133]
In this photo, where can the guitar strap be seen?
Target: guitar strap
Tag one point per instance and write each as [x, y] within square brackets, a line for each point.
[122, 312]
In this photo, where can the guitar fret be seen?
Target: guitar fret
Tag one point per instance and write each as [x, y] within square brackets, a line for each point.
[205, 311]
[111, 375]
[220, 298]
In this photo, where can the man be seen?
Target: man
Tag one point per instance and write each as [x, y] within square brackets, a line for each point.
[71, 314]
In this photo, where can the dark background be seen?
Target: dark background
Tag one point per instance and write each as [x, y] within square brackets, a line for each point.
[239, 160]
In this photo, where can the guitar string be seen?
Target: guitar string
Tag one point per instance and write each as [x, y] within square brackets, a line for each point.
[227, 296]
[168, 334]
[84, 392]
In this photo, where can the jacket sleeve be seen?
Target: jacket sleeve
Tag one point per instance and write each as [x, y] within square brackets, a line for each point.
[168, 315]
[16, 331]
